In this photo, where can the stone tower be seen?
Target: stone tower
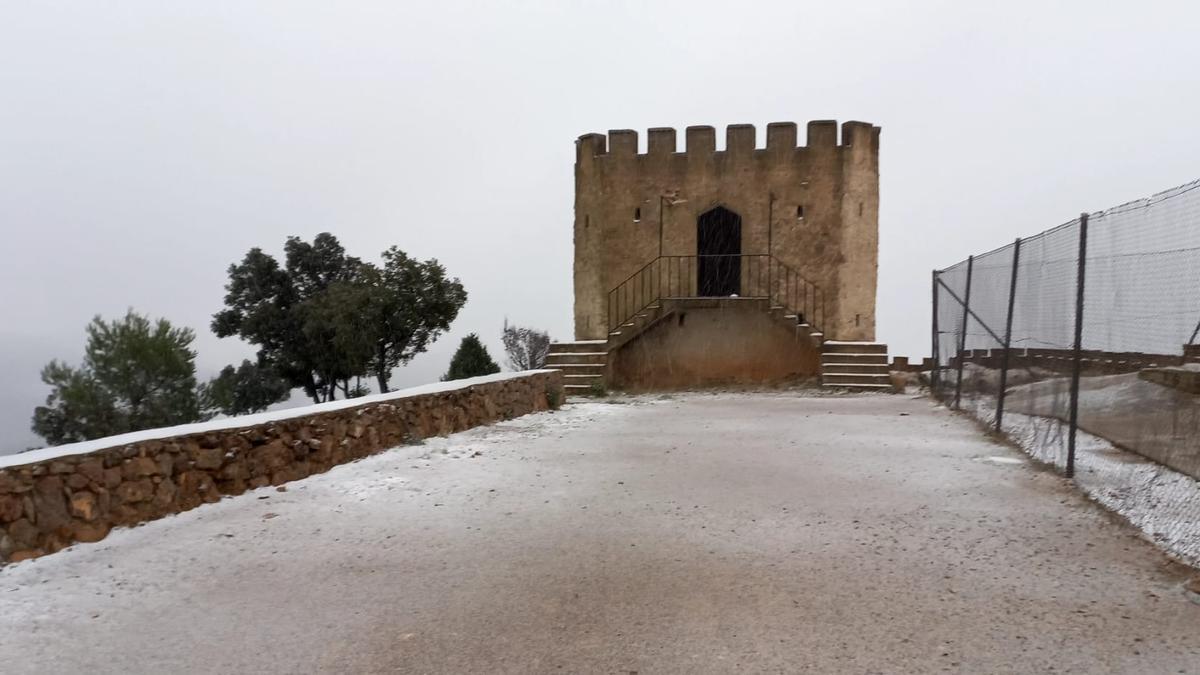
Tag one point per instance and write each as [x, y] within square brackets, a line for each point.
[811, 209]
[745, 265]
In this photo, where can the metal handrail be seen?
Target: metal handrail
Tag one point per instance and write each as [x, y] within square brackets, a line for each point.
[677, 276]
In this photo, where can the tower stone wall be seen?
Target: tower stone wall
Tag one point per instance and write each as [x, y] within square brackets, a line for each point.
[814, 207]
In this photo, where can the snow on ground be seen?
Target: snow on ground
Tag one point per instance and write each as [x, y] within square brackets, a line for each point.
[398, 468]
[757, 532]
[1164, 504]
[1156, 421]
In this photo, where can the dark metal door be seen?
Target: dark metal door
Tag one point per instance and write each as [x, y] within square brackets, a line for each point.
[719, 246]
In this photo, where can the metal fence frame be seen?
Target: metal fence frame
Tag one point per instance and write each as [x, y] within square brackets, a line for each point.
[1164, 224]
[1006, 341]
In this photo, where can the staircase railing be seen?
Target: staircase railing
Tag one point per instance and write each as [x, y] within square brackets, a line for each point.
[745, 276]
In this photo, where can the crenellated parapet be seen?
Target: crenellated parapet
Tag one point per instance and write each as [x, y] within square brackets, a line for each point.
[740, 139]
[806, 197]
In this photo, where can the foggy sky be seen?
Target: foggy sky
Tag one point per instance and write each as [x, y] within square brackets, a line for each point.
[145, 146]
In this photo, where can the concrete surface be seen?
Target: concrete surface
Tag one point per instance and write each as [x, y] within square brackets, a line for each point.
[713, 342]
[700, 533]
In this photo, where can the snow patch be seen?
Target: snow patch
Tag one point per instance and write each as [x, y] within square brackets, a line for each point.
[1001, 460]
[1161, 502]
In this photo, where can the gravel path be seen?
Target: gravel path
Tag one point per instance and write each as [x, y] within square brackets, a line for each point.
[698, 533]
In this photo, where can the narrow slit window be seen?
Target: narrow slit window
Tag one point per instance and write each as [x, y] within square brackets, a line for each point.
[800, 212]
[637, 215]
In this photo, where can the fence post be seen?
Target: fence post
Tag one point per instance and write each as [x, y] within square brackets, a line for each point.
[935, 374]
[1077, 366]
[962, 339]
[1012, 297]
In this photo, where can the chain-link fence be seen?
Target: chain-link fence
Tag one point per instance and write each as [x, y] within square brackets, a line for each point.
[1079, 344]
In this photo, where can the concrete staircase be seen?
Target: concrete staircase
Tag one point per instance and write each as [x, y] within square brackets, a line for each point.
[855, 365]
[651, 314]
[792, 322]
[635, 325]
[583, 363]
[859, 366]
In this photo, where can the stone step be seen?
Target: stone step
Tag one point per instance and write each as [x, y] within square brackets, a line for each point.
[634, 326]
[854, 358]
[577, 346]
[862, 387]
[565, 358]
[579, 368]
[837, 347]
[815, 335]
[839, 379]
[855, 368]
[585, 380]
[792, 321]
[578, 389]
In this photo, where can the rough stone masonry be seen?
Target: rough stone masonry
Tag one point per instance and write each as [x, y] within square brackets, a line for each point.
[47, 505]
[814, 207]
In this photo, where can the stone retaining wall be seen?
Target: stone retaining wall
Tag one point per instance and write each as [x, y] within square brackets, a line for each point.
[1183, 378]
[78, 493]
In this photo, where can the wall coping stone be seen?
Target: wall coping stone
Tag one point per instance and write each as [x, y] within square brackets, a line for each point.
[227, 423]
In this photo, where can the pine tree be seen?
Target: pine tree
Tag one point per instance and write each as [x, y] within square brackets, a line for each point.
[471, 360]
[136, 374]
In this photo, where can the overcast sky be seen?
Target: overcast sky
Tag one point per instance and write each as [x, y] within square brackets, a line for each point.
[144, 146]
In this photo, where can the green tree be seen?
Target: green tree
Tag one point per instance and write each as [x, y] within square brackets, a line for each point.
[414, 302]
[339, 334]
[471, 360]
[268, 305]
[325, 318]
[136, 374]
[249, 388]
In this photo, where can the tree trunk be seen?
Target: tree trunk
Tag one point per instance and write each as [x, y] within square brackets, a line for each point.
[310, 388]
[381, 370]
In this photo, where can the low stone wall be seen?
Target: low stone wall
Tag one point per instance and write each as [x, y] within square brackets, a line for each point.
[901, 364]
[1183, 378]
[53, 497]
[1094, 362]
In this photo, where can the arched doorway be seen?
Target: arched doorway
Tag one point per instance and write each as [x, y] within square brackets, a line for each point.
[719, 245]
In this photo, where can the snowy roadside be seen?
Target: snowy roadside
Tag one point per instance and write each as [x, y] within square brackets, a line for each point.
[321, 496]
[631, 534]
[1160, 502]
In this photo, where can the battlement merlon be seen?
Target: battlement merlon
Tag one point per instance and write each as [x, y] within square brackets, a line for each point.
[860, 135]
[701, 140]
[660, 141]
[740, 140]
[781, 137]
[822, 134]
[590, 145]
